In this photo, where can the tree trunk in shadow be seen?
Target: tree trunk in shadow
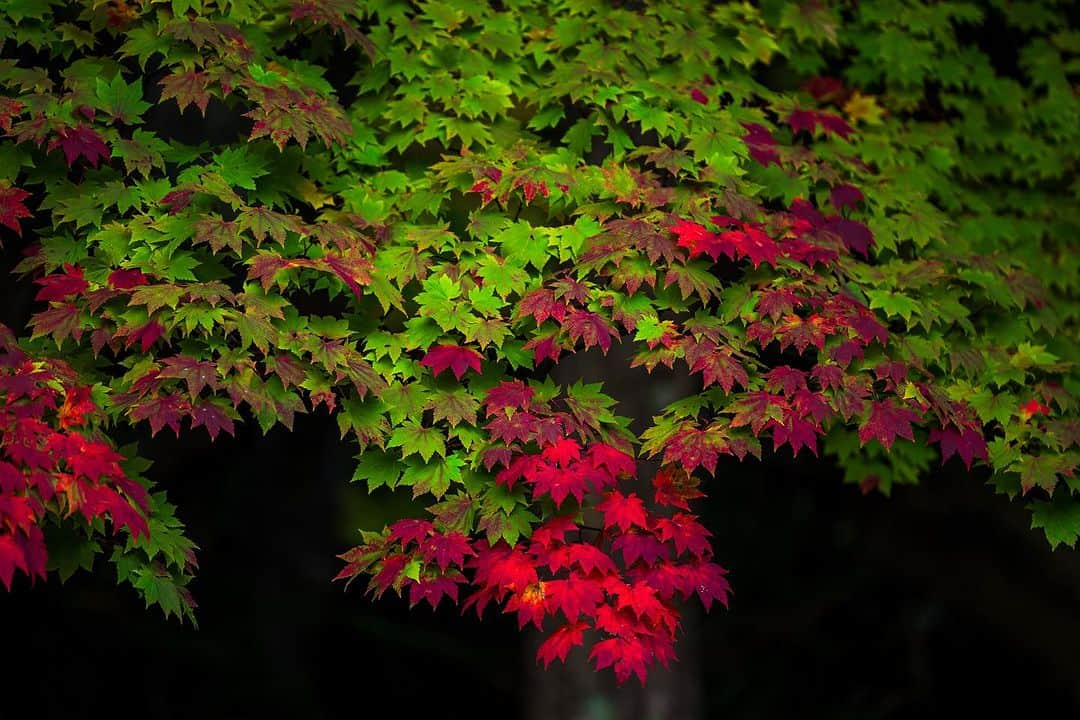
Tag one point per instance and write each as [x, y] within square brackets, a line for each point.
[575, 691]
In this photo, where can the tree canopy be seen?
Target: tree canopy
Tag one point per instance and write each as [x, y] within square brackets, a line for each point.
[852, 223]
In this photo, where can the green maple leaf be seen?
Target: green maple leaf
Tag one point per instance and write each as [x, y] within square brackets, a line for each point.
[240, 167]
[434, 478]
[414, 438]
[121, 100]
[1059, 519]
[377, 468]
[453, 405]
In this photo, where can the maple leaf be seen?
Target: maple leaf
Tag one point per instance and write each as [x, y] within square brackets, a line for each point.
[616, 462]
[575, 596]
[457, 359]
[161, 411]
[146, 335]
[353, 270]
[190, 86]
[591, 328]
[967, 442]
[509, 395]
[886, 421]
[563, 452]
[541, 304]
[127, 279]
[795, 431]
[688, 535]
[559, 482]
[60, 286]
[848, 196]
[196, 373]
[12, 557]
[589, 558]
[213, 418]
[642, 546]
[12, 207]
[433, 589]
[785, 379]
[1033, 407]
[675, 487]
[694, 237]
[708, 580]
[624, 511]
[761, 144]
[446, 550]
[80, 141]
[625, 656]
[824, 87]
[77, 404]
[60, 321]
[9, 108]
[561, 642]
[856, 236]
[410, 530]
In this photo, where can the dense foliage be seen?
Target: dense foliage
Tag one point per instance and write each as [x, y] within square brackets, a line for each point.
[845, 220]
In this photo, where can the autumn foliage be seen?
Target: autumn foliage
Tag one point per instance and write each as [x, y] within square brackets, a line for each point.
[406, 213]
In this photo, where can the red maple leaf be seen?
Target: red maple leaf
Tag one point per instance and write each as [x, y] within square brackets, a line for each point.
[127, 279]
[856, 236]
[615, 461]
[777, 302]
[77, 404]
[559, 482]
[410, 530]
[687, 533]
[146, 335]
[590, 328]
[80, 141]
[785, 379]
[697, 96]
[823, 87]
[695, 238]
[457, 359]
[714, 364]
[675, 487]
[624, 511]
[12, 556]
[61, 285]
[541, 304]
[625, 656]
[1033, 407]
[161, 411]
[642, 546]
[886, 421]
[433, 589]
[795, 431]
[446, 550]
[561, 642]
[12, 207]
[208, 415]
[761, 144]
[967, 442]
[563, 452]
[575, 596]
[508, 395]
[197, 374]
[589, 558]
[847, 196]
